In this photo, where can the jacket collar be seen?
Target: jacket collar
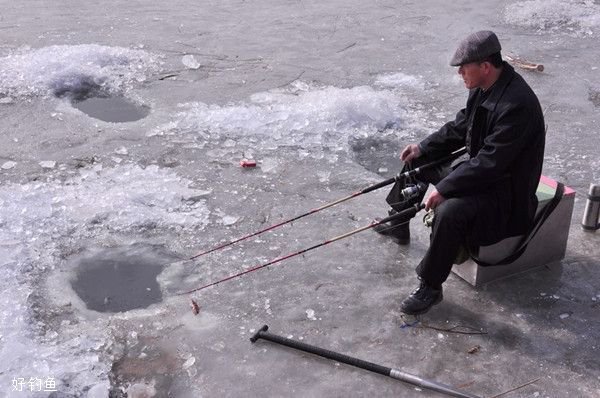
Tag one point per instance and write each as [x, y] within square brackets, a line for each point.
[497, 90]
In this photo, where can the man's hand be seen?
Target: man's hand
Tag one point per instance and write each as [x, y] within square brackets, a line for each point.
[409, 153]
[433, 200]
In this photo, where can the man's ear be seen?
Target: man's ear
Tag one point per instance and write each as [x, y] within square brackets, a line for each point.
[487, 67]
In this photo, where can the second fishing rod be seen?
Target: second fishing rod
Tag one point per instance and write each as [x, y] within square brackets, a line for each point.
[398, 178]
[399, 217]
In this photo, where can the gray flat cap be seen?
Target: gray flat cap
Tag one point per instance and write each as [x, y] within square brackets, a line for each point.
[476, 47]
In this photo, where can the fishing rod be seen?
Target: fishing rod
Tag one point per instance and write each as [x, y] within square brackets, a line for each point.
[398, 178]
[359, 363]
[402, 215]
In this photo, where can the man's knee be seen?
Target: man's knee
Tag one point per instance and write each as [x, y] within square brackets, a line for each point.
[454, 213]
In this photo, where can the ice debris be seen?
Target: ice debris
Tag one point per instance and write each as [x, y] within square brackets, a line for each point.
[313, 119]
[124, 197]
[74, 69]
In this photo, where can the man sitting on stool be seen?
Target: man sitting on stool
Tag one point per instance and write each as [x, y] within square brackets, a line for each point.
[490, 196]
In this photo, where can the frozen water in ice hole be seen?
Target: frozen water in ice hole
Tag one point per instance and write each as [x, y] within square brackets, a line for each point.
[377, 154]
[111, 109]
[120, 279]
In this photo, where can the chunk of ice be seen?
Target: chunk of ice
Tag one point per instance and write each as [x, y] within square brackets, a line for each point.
[189, 61]
[8, 165]
[229, 220]
[48, 164]
[99, 390]
[189, 362]
[398, 80]
[310, 314]
[121, 151]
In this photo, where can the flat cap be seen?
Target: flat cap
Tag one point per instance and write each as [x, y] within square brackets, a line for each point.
[476, 47]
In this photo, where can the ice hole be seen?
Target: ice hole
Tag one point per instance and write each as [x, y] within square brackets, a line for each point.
[377, 154]
[120, 279]
[111, 109]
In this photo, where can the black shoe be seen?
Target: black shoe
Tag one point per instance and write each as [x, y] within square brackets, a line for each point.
[399, 231]
[422, 299]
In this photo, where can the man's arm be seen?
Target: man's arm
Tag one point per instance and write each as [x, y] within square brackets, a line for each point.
[512, 131]
[447, 139]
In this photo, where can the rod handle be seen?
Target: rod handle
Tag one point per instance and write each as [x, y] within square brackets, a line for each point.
[404, 214]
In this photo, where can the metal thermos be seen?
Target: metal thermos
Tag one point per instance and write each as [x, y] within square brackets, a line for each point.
[592, 209]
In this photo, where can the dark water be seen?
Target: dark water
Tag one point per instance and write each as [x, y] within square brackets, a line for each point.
[112, 109]
[120, 279]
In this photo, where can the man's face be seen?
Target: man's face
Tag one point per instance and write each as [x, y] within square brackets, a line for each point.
[472, 74]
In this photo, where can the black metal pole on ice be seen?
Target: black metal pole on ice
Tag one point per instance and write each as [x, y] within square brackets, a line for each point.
[359, 363]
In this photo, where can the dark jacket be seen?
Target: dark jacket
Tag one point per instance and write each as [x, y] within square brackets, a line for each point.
[503, 130]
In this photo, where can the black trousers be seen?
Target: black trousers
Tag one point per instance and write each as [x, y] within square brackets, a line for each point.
[470, 221]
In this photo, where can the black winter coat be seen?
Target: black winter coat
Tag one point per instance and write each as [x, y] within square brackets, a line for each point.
[505, 136]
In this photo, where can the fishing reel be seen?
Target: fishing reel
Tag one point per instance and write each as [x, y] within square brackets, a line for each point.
[412, 191]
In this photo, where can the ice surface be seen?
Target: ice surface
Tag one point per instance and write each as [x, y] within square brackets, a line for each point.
[75, 69]
[576, 17]
[390, 86]
[32, 216]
